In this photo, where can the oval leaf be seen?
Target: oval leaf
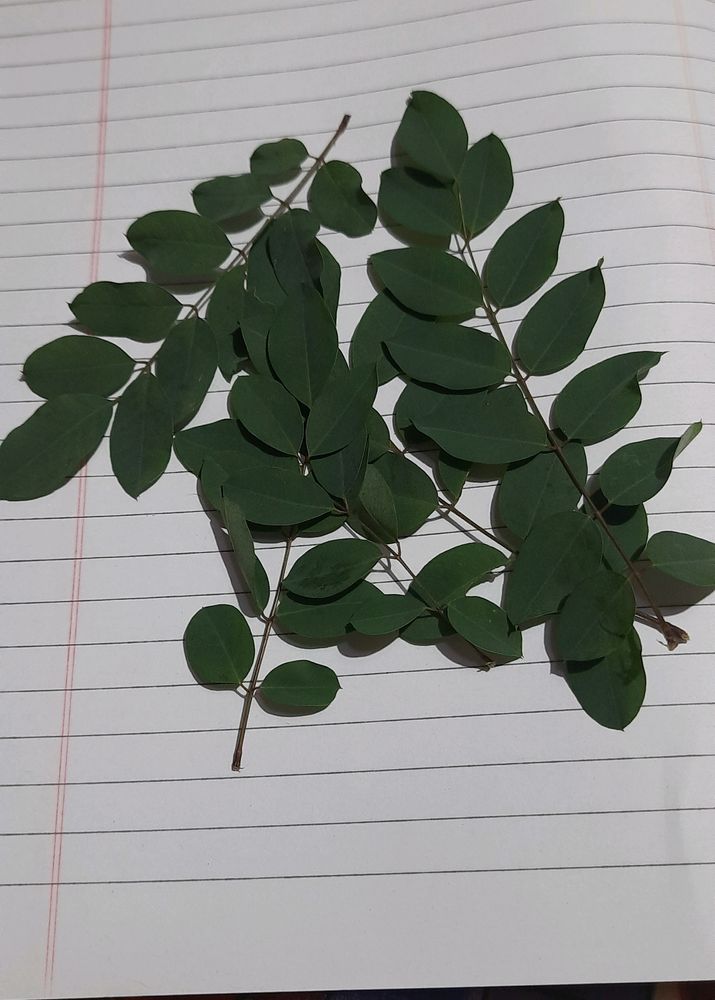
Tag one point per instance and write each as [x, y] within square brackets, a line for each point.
[557, 327]
[337, 198]
[418, 202]
[77, 364]
[524, 256]
[684, 557]
[413, 492]
[486, 626]
[491, 427]
[300, 684]
[40, 455]
[141, 436]
[277, 159]
[341, 410]
[271, 496]
[268, 412]
[595, 617]
[558, 553]
[433, 135]
[219, 439]
[382, 613]
[602, 399]
[451, 356]
[326, 619]
[303, 344]
[427, 629]
[230, 197]
[637, 471]
[331, 567]
[341, 473]
[452, 573]
[219, 646]
[484, 185]
[180, 244]
[137, 310]
[611, 690]
[185, 367]
[429, 281]
[539, 487]
[293, 250]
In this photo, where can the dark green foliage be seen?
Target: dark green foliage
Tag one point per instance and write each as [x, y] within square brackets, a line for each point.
[77, 364]
[136, 310]
[179, 244]
[219, 646]
[306, 454]
[338, 200]
[39, 456]
[185, 367]
[141, 436]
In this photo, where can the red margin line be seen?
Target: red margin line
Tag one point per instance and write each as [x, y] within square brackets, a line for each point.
[102, 118]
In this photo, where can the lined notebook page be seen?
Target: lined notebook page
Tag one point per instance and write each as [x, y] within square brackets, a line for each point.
[436, 826]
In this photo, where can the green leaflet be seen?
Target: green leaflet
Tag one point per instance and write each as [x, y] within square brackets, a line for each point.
[374, 513]
[77, 364]
[413, 493]
[248, 562]
[452, 474]
[136, 310]
[300, 684]
[557, 327]
[324, 525]
[341, 472]
[450, 356]
[418, 202]
[219, 646]
[683, 557]
[602, 399]
[524, 256]
[558, 553]
[279, 160]
[382, 613]
[382, 320]
[303, 344]
[185, 367]
[415, 404]
[629, 527]
[322, 619]
[223, 315]
[611, 690]
[491, 427]
[595, 617]
[141, 435]
[426, 629]
[268, 412]
[268, 495]
[179, 244]
[40, 455]
[340, 411]
[195, 445]
[452, 573]
[429, 281]
[637, 471]
[293, 250]
[484, 185]
[228, 198]
[331, 567]
[486, 626]
[540, 486]
[337, 198]
[433, 135]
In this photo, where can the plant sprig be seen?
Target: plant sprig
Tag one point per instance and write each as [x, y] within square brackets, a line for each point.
[304, 454]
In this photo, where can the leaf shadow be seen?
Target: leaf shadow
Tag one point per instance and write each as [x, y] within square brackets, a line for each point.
[194, 284]
[674, 595]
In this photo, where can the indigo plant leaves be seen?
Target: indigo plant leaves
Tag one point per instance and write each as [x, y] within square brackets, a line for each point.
[304, 471]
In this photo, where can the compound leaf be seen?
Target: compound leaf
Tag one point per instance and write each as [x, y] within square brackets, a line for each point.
[40, 455]
[219, 646]
[77, 364]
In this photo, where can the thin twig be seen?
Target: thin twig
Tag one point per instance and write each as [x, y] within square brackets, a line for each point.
[253, 682]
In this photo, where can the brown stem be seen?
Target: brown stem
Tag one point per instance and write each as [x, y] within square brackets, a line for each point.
[283, 207]
[253, 682]
[445, 509]
[672, 634]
